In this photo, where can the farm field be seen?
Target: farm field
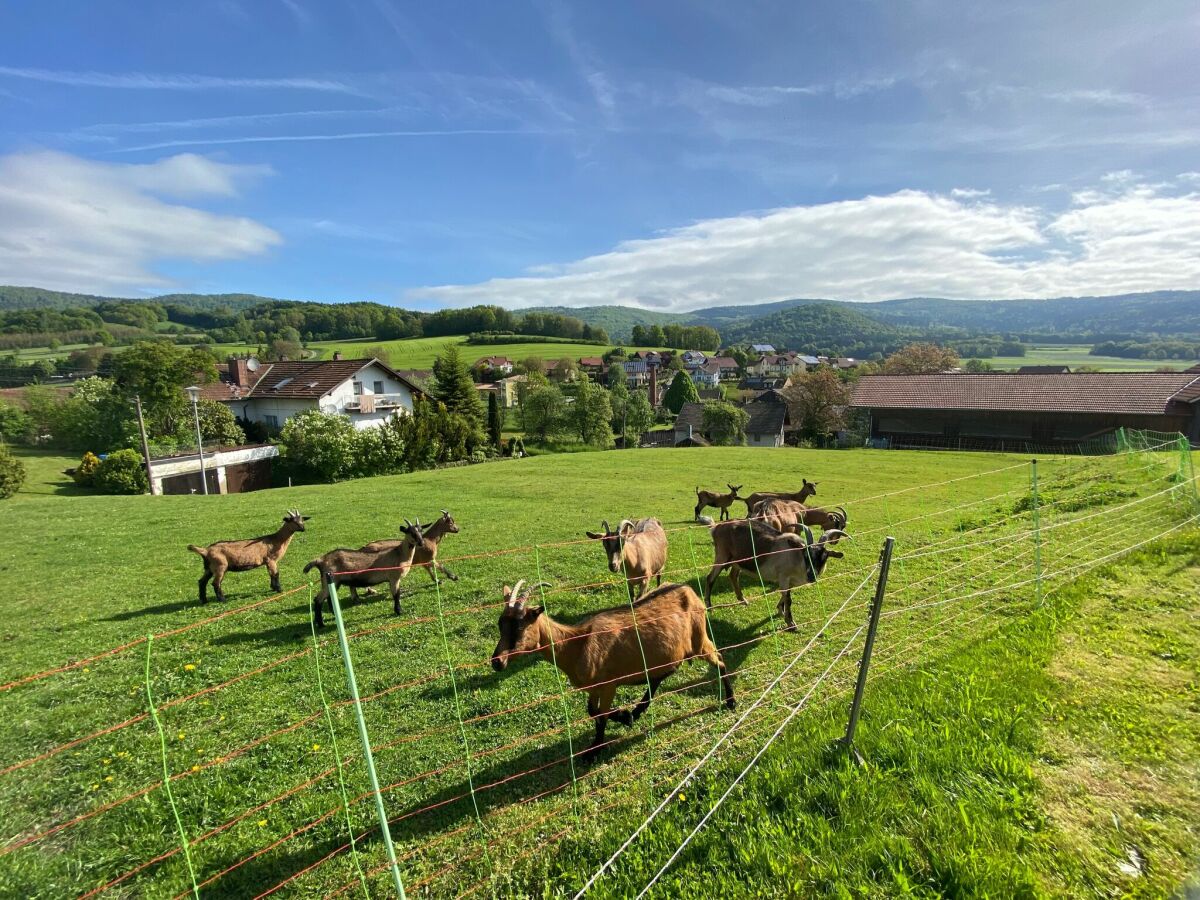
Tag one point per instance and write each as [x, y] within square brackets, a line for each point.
[983, 707]
[419, 353]
[1075, 355]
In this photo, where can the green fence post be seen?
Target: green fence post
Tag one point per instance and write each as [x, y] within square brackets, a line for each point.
[1187, 468]
[1037, 528]
[365, 739]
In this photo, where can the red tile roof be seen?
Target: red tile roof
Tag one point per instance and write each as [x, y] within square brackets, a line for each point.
[305, 379]
[1132, 393]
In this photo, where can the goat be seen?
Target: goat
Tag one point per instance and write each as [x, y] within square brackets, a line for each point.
[612, 648]
[807, 489]
[359, 568]
[784, 514]
[424, 555]
[718, 501]
[640, 548]
[242, 556]
[786, 559]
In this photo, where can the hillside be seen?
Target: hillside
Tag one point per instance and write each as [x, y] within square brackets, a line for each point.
[14, 297]
[618, 321]
[819, 328]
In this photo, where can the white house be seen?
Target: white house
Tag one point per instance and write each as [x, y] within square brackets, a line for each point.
[707, 375]
[366, 390]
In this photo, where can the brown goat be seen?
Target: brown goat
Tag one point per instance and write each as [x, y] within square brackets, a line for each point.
[358, 568]
[605, 650]
[242, 556]
[786, 559]
[783, 515]
[717, 501]
[807, 489]
[425, 555]
[640, 548]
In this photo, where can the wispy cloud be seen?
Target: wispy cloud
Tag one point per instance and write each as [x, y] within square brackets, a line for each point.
[76, 224]
[103, 128]
[149, 81]
[909, 243]
[340, 136]
[303, 17]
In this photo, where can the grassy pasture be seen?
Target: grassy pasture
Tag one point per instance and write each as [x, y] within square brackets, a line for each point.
[1075, 355]
[86, 573]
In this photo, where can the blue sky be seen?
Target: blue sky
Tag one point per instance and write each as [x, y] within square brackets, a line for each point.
[669, 155]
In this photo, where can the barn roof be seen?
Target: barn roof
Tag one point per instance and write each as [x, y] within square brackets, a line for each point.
[766, 417]
[1131, 393]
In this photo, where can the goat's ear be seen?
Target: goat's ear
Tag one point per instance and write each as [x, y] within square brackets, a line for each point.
[836, 554]
[594, 535]
[507, 591]
[305, 518]
[532, 612]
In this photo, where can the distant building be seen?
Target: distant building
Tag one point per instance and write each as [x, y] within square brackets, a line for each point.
[777, 365]
[761, 348]
[593, 365]
[706, 376]
[693, 358]
[727, 366]
[1044, 370]
[765, 428]
[1013, 411]
[366, 390]
[501, 364]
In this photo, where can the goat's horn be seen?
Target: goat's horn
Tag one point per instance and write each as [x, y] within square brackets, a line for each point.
[808, 535]
[604, 523]
[514, 597]
[624, 522]
[445, 512]
[407, 524]
[836, 534]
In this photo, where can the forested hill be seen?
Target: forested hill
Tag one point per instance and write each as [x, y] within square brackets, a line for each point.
[12, 297]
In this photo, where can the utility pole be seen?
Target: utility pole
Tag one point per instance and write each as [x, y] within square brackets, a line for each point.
[137, 400]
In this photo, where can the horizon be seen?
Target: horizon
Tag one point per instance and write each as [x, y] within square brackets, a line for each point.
[664, 159]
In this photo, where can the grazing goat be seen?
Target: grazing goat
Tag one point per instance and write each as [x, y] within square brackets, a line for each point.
[242, 556]
[786, 559]
[807, 489]
[612, 648]
[783, 515]
[425, 555]
[359, 568]
[718, 501]
[638, 547]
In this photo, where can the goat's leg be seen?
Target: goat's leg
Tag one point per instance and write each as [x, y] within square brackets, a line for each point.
[601, 701]
[395, 586]
[784, 608]
[446, 571]
[318, 602]
[713, 574]
[644, 703]
[735, 578]
[204, 580]
[218, 577]
[273, 568]
[710, 653]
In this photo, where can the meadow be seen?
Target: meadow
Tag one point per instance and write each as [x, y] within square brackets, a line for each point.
[1006, 718]
[1076, 355]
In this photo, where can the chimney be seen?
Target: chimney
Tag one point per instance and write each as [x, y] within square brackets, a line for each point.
[653, 386]
[337, 354]
[239, 370]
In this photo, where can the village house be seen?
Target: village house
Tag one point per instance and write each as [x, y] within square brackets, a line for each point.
[777, 365]
[692, 358]
[726, 365]
[366, 390]
[706, 376]
[765, 429]
[501, 364]
[761, 348]
[593, 365]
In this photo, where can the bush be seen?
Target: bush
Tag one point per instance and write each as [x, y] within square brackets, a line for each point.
[12, 473]
[319, 445]
[121, 472]
[14, 423]
[85, 472]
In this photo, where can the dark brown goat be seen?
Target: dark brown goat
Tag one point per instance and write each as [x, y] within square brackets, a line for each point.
[807, 489]
[242, 556]
[783, 515]
[717, 501]
[786, 559]
[360, 569]
[612, 648]
[639, 548]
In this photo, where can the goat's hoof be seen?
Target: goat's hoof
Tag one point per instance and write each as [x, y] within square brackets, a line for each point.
[731, 703]
[745, 602]
[452, 577]
[790, 626]
[625, 717]
[589, 755]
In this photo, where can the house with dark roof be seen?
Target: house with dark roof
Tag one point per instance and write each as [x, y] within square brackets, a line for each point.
[765, 428]
[1044, 370]
[366, 390]
[1011, 411]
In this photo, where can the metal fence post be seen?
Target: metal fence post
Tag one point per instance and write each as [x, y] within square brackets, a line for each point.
[365, 739]
[1037, 528]
[885, 564]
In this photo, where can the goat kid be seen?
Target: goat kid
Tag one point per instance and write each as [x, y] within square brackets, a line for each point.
[640, 548]
[424, 555]
[786, 559]
[242, 556]
[361, 569]
[807, 489]
[717, 501]
[605, 650]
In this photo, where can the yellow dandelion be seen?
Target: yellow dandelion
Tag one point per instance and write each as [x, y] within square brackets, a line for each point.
[96, 787]
[86, 670]
[262, 823]
[683, 798]
[108, 778]
[316, 747]
[195, 768]
[180, 736]
[189, 668]
[106, 761]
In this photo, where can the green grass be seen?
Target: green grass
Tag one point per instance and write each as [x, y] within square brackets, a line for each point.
[419, 353]
[950, 746]
[1075, 355]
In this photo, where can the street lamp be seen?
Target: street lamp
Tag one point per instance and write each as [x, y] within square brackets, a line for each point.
[194, 393]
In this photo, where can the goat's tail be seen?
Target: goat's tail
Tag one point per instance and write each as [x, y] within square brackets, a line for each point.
[312, 565]
[202, 551]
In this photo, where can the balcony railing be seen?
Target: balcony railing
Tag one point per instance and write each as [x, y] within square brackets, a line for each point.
[380, 401]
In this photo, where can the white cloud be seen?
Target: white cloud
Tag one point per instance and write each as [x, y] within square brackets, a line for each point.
[76, 224]
[159, 82]
[909, 243]
[968, 193]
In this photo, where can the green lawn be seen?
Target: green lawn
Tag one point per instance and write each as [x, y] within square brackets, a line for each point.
[419, 353]
[955, 797]
[1075, 355]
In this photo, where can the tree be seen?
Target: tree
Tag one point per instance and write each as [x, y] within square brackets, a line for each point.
[495, 421]
[725, 424]
[158, 372]
[280, 348]
[217, 423]
[542, 411]
[532, 365]
[14, 423]
[818, 399]
[453, 386]
[977, 366]
[12, 473]
[618, 396]
[638, 336]
[638, 417]
[920, 359]
[319, 445]
[681, 391]
[591, 414]
[656, 336]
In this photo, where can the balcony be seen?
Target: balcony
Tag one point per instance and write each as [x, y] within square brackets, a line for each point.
[373, 402]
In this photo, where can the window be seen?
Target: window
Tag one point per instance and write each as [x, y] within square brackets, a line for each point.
[377, 387]
[271, 421]
[358, 389]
